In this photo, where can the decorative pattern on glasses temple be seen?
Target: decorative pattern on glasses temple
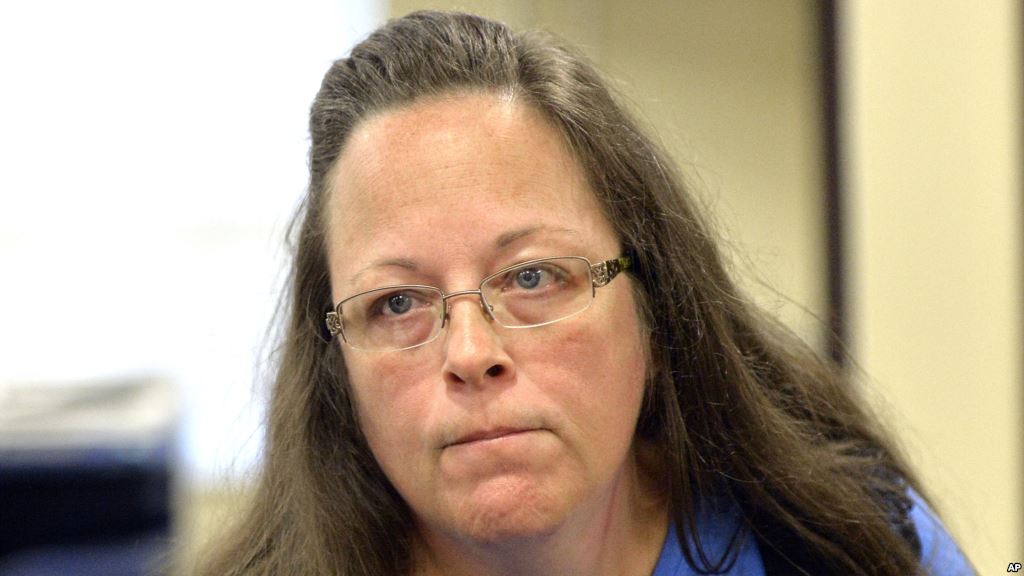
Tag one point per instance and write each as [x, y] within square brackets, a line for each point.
[605, 271]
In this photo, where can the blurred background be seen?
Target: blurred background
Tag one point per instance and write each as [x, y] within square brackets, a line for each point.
[861, 159]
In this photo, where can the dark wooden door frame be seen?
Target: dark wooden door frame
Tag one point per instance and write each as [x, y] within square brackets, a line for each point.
[836, 340]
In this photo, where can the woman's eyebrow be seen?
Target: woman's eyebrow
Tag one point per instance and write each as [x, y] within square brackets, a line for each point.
[513, 235]
[502, 241]
[399, 262]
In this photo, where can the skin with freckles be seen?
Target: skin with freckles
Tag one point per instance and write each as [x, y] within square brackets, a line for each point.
[444, 192]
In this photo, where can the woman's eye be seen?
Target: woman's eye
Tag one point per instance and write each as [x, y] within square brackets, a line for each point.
[528, 278]
[535, 278]
[395, 304]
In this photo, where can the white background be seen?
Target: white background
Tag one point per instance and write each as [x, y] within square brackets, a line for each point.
[151, 154]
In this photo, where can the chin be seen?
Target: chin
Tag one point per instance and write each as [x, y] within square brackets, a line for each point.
[504, 510]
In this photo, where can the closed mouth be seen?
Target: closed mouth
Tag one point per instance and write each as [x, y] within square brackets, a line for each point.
[489, 435]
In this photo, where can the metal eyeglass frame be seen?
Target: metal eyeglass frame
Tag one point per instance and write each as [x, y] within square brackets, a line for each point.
[600, 275]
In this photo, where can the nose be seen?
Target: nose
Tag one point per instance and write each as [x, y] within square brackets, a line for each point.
[474, 354]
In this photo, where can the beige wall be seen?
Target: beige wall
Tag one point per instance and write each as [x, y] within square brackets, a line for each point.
[934, 132]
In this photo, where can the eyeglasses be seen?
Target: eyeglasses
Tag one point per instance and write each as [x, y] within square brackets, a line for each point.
[526, 295]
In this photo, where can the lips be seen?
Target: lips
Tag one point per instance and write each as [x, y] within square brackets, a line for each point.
[488, 435]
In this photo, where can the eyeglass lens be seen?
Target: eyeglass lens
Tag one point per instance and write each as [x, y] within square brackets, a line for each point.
[529, 295]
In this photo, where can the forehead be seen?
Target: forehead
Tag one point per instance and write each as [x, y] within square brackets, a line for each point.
[449, 176]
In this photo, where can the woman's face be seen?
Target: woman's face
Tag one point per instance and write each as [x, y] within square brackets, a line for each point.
[443, 193]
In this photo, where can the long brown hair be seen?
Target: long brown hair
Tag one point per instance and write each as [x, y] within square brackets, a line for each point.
[737, 406]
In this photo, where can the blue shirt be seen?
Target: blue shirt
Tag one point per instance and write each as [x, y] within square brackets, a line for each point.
[939, 553]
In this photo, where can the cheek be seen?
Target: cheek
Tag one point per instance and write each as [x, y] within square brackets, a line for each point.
[595, 370]
[391, 413]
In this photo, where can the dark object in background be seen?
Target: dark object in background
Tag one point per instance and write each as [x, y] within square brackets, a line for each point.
[86, 479]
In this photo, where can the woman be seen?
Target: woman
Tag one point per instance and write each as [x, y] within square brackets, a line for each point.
[512, 349]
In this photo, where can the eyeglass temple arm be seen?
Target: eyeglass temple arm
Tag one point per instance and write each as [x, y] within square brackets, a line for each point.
[333, 323]
[603, 272]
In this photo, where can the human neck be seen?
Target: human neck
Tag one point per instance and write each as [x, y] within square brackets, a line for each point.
[619, 531]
